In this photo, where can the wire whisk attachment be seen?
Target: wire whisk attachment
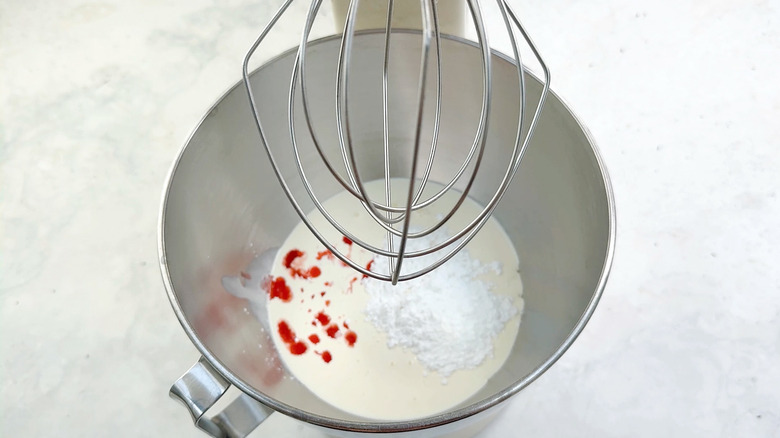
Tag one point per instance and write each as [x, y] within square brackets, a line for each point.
[417, 155]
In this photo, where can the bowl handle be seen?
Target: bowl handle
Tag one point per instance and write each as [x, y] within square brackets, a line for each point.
[200, 387]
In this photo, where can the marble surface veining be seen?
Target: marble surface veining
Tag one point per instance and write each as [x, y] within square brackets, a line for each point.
[96, 98]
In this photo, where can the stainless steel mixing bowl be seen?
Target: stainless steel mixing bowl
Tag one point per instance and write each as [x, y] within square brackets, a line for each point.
[223, 206]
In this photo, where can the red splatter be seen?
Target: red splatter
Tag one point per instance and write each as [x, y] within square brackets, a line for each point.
[323, 318]
[327, 302]
[285, 332]
[290, 257]
[298, 348]
[289, 338]
[314, 339]
[368, 267]
[279, 289]
[328, 283]
[332, 330]
[351, 338]
[328, 254]
[322, 294]
[313, 272]
[346, 240]
[346, 326]
[326, 356]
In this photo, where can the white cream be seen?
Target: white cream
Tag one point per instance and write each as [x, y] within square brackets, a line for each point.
[369, 379]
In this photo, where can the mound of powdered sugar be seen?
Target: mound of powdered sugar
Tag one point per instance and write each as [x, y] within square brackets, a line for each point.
[448, 318]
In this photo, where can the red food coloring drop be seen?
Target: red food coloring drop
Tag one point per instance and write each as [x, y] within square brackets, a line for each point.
[289, 338]
[323, 318]
[290, 257]
[314, 339]
[346, 326]
[328, 283]
[322, 294]
[326, 356]
[327, 302]
[332, 330]
[328, 254]
[351, 338]
[285, 332]
[298, 348]
[279, 289]
[368, 267]
[346, 240]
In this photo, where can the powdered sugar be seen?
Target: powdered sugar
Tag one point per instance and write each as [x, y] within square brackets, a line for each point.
[448, 318]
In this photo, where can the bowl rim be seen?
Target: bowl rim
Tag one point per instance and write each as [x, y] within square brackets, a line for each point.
[383, 425]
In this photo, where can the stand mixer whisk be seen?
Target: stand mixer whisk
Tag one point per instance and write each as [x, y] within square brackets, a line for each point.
[397, 219]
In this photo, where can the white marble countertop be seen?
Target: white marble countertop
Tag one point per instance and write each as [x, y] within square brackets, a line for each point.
[683, 97]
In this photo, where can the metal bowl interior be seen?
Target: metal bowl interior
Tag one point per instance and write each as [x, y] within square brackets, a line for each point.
[223, 206]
